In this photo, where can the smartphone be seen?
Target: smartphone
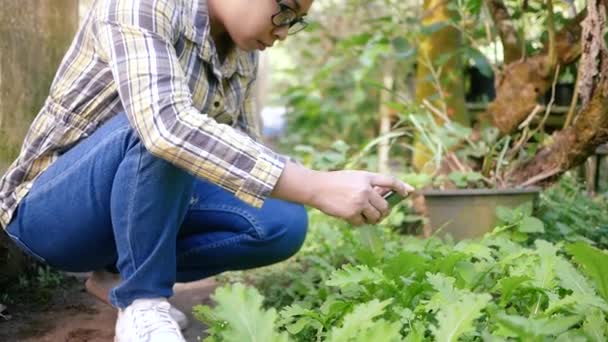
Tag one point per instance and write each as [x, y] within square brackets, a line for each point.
[393, 198]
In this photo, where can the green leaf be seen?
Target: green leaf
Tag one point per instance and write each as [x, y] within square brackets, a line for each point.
[240, 308]
[446, 293]
[508, 286]
[416, 333]
[354, 275]
[456, 318]
[447, 263]
[359, 320]
[381, 330]
[571, 279]
[356, 40]
[594, 263]
[562, 304]
[572, 336]
[417, 180]
[459, 178]
[301, 324]
[366, 257]
[595, 326]
[467, 274]
[296, 318]
[475, 250]
[474, 6]
[544, 273]
[403, 48]
[404, 264]
[505, 214]
[481, 62]
[525, 209]
[531, 329]
[531, 224]
[332, 308]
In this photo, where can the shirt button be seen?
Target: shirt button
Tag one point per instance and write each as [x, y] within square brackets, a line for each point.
[225, 119]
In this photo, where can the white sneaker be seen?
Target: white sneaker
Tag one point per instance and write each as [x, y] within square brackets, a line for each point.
[179, 317]
[100, 283]
[147, 320]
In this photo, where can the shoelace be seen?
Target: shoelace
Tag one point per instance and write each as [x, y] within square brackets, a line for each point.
[154, 319]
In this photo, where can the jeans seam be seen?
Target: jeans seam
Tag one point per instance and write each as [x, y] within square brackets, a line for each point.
[59, 177]
[130, 212]
[25, 247]
[216, 244]
[234, 210]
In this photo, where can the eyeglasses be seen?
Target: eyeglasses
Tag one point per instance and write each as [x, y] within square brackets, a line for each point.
[287, 16]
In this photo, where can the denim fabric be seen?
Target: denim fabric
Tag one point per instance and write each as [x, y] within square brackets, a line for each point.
[108, 203]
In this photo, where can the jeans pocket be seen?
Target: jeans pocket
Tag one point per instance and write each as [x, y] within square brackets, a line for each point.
[24, 247]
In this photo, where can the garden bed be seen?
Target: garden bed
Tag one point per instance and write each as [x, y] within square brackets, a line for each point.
[525, 281]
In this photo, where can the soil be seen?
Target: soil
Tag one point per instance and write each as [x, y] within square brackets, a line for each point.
[69, 313]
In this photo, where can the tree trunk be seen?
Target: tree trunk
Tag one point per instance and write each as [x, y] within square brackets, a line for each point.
[386, 117]
[34, 36]
[524, 81]
[442, 85]
[572, 146]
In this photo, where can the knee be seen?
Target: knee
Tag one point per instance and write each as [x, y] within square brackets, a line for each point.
[294, 226]
[297, 229]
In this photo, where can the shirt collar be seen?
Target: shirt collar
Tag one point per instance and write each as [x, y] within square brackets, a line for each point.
[197, 28]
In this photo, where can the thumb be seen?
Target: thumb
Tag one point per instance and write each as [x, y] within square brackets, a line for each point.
[387, 181]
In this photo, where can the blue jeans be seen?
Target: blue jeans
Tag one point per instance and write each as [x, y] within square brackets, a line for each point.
[107, 202]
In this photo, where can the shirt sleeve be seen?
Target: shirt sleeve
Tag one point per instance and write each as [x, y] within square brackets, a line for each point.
[136, 38]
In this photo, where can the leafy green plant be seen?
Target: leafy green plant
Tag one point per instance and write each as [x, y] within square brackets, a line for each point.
[239, 316]
[570, 214]
[466, 179]
[374, 284]
[461, 157]
[594, 263]
[521, 218]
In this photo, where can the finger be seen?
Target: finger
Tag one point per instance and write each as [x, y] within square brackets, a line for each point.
[380, 204]
[391, 182]
[380, 190]
[371, 214]
[357, 220]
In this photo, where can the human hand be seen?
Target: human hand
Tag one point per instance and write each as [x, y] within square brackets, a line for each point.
[355, 196]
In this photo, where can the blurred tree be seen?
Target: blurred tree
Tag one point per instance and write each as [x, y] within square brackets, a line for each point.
[439, 69]
[34, 36]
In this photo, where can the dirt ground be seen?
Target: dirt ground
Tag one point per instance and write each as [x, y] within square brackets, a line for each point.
[73, 315]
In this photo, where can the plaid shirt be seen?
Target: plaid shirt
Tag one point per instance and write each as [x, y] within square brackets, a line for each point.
[154, 60]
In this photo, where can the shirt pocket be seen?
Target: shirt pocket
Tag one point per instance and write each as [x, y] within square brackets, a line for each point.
[205, 87]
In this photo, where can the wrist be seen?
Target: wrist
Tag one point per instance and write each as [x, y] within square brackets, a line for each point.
[314, 187]
[298, 184]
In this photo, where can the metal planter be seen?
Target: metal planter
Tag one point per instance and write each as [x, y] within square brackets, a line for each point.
[470, 213]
